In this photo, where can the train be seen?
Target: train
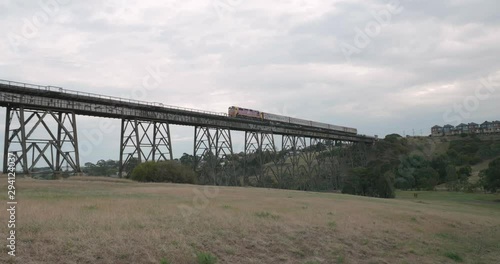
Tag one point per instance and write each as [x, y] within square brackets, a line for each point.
[236, 111]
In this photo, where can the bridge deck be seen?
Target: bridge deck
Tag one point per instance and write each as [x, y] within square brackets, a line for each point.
[54, 98]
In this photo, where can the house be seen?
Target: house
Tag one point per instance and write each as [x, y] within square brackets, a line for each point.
[495, 126]
[473, 128]
[437, 130]
[462, 128]
[486, 127]
[448, 129]
[470, 128]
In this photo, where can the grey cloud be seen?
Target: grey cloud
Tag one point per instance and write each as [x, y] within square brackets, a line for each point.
[281, 57]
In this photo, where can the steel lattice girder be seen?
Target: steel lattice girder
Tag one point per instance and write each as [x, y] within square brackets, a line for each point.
[143, 140]
[64, 143]
[214, 145]
[261, 144]
[332, 164]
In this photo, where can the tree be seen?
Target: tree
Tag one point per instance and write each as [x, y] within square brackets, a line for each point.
[385, 185]
[353, 183]
[490, 178]
[376, 181]
[426, 178]
[187, 160]
[413, 171]
[451, 178]
[101, 168]
[440, 164]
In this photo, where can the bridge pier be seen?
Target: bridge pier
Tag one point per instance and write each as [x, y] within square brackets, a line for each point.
[213, 153]
[141, 141]
[331, 164]
[260, 149]
[284, 171]
[28, 133]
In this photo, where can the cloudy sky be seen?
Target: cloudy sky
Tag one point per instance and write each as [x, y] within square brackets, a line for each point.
[380, 66]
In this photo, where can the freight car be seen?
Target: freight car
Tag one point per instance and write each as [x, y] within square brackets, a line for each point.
[235, 111]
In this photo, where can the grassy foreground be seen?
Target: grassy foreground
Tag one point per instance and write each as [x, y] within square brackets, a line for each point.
[89, 220]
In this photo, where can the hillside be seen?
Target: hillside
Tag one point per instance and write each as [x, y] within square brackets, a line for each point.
[88, 220]
[412, 163]
[432, 147]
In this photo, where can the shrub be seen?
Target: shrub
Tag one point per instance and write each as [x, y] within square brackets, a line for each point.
[164, 171]
[144, 172]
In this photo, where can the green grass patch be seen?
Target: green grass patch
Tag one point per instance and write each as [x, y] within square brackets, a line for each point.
[447, 236]
[206, 258]
[265, 214]
[165, 261]
[454, 256]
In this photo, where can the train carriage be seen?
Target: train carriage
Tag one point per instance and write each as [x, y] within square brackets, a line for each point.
[299, 121]
[235, 111]
[273, 117]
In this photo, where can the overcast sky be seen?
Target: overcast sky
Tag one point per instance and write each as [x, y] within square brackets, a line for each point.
[380, 66]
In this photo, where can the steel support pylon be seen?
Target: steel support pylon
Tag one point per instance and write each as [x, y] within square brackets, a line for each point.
[260, 149]
[213, 156]
[331, 164]
[38, 148]
[141, 141]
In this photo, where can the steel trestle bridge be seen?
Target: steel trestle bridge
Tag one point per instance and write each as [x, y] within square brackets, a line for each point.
[145, 128]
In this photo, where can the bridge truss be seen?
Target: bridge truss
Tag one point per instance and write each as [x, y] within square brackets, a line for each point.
[41, 126]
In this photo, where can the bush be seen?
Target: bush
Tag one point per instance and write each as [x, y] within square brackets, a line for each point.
[164, 171]
[144, 172]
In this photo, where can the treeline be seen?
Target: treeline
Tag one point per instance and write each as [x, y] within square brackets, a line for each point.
[376, 171]
[101, 168]
[452, 168]
[391, 165]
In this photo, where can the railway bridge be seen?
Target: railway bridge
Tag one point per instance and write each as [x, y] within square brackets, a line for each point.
[145, 129]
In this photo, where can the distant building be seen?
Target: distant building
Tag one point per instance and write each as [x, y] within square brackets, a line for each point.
[448, 129]
[462, 129]
[486, 127]
[437, 131]
[496, 126]
[474, 128]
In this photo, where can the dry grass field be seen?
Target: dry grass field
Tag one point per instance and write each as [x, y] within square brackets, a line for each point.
[93, 220]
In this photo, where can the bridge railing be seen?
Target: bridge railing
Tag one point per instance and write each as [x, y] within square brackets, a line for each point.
[106, 97]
